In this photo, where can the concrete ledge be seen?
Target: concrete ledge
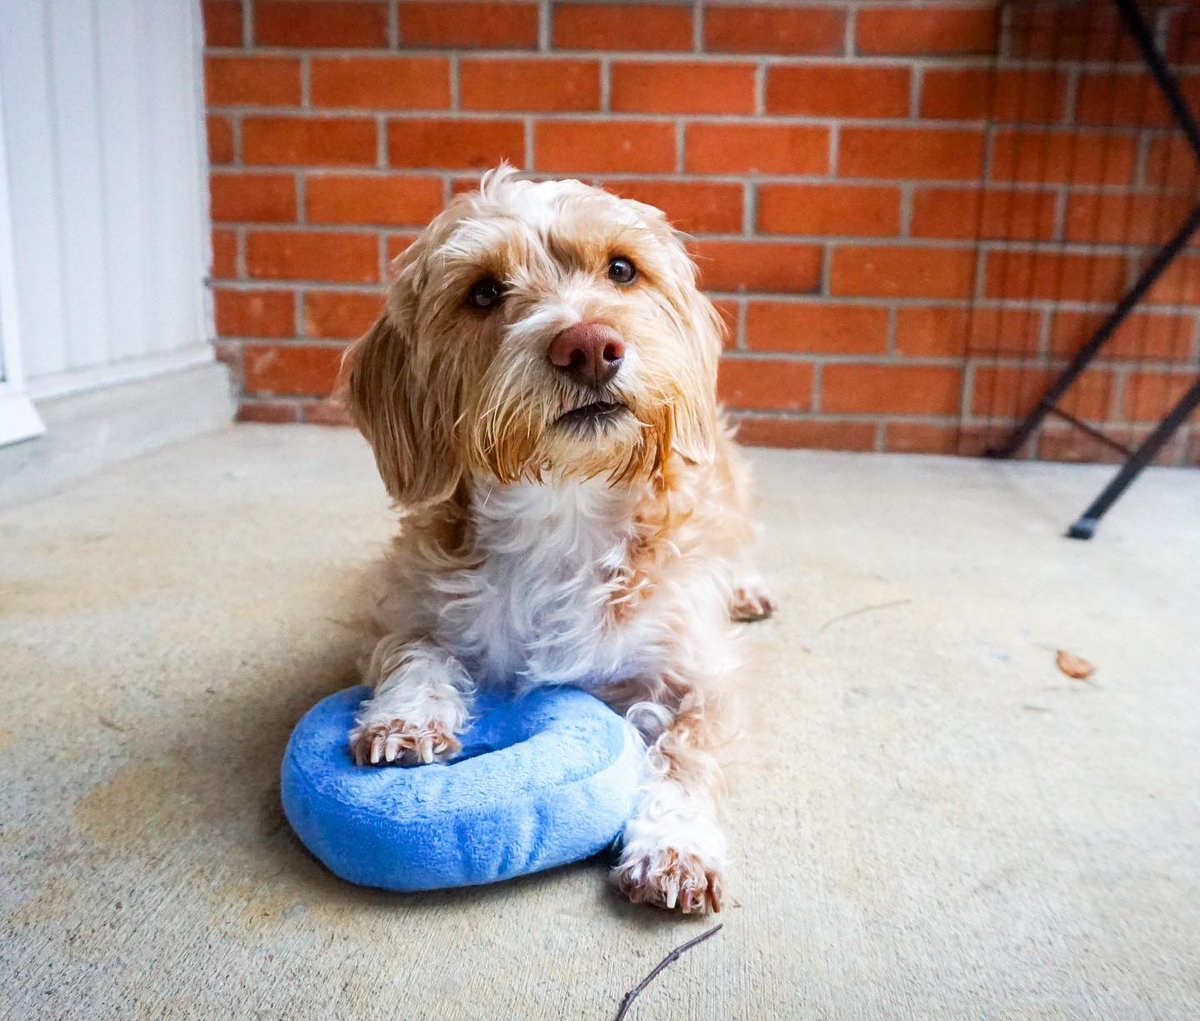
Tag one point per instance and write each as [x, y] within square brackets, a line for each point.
[87, 432]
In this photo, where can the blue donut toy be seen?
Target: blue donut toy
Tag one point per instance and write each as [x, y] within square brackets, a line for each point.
[542, 780]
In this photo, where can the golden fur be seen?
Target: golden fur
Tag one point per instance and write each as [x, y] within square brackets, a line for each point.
[610, 554]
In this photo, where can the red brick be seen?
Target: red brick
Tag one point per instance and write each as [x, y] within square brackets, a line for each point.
[767, 383]
[1013, 391]
[808, 433]
[446, 23]
[455, 143]
[340, 315]
[258, 198]
[727, 310]
[903, 272]
[1183, 45]
[1070, 32]
[220, 139]
[1170, 164]
[933, 30]
[1048, 156]
[397, 244]
[1061, 443]
[920, 438]
[612, 27]
[1129, 99]
[254, 313]
[977, 93]
[312, 255]
[698, 207]
[1125, 217]
[381, 83]
[992, 213]
[391, 201]
[831, 209]
[531, 84]
[847, 388]
[759, 29]
[267, 412]
[1179, 284]
[758, 266]
[1054, 275]
[1140, 336]
[756, 149]
[224, 254]
[936, 331]
[327, 412]
[935, 153]
[816, 327]
[290, 368]
[252, 81]
[1148, 396]
[1004, 330]
[839, 90]
[939, 331]
[309, 141]
[682, 87]
[604, 146]
[222, 22]
[305, 24]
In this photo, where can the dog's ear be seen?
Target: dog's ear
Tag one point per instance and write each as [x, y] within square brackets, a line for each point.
[696, 413]
[400, 405]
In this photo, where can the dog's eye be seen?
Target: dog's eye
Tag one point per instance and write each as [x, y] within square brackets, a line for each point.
[486, 293]
[621, 270]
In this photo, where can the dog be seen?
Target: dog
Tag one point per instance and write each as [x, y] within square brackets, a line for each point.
[540, 396]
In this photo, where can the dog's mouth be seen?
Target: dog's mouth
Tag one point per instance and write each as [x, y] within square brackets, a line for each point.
[597, 413]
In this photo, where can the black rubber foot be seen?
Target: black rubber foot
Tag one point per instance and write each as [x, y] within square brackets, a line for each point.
[1084, 528]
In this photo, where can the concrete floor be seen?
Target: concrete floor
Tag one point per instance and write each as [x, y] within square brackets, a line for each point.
[940, 823]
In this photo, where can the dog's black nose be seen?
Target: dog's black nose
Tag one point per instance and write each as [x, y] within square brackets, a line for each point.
[590, 353]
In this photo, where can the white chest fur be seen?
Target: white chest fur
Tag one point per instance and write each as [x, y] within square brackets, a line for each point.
[535, 609]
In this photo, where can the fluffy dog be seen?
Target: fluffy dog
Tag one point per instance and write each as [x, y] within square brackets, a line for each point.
[540, 395]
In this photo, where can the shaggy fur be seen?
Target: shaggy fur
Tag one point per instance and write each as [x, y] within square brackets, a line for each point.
[607, 552]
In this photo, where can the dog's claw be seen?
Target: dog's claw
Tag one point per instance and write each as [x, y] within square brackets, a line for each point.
[391, 747]
[751, 601]
[671, 879]
[402, 743]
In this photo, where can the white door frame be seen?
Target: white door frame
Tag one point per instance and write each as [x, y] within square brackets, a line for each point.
[19, 419]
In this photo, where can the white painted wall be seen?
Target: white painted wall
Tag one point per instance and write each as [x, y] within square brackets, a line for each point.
[101, 112]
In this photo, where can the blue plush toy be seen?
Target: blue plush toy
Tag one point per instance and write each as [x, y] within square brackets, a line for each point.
[543, 780]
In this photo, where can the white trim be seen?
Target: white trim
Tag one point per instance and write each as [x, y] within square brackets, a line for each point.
[19, 419]
[125, 371]
[88, 432]
[207, 310]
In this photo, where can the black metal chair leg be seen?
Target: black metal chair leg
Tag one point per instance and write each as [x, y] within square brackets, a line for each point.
[1168, 86]
[1085, 527]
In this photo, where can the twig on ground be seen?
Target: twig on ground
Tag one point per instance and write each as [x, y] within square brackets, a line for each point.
[862, 609]
[674, 955]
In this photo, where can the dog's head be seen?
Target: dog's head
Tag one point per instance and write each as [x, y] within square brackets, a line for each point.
[535, 328]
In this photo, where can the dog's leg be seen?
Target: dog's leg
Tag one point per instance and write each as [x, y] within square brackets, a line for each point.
[417, 708]
[751, 600]
[673, 851]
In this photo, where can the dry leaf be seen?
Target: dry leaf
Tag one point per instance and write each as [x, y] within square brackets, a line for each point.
[1074, 666]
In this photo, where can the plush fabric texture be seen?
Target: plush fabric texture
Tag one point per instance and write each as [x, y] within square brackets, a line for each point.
[545, 779]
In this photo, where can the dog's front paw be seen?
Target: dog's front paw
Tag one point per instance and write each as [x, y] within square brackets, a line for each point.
[751, 601]
[404, 744]
[670, 878]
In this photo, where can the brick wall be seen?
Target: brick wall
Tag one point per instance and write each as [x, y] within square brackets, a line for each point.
[826, 158]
